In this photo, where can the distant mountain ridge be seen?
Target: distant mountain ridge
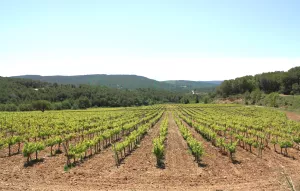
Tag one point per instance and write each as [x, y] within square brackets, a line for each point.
[125, 82]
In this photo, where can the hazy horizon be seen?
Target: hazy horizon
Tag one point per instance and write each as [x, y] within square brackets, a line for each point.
[128, 74]
[112, 75]
[161, 40]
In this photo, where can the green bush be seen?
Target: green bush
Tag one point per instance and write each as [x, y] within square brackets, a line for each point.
[272, 99]
[11, 107]
[84, 102]
[66, 104]
[25, 107]
[57, 106]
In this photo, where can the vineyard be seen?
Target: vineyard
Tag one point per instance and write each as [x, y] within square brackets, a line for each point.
[177, 147]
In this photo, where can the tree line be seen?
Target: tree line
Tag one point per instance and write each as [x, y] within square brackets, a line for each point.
[273, 89]
[287, 83]
[27, 95]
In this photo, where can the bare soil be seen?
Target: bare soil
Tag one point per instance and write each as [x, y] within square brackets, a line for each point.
[139, 172]
[293, 116]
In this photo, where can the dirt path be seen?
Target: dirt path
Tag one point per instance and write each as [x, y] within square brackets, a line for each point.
[180, 164]
[138, 169]
[293, 116]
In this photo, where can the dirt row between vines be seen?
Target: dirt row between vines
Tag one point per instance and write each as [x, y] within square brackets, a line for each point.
[139, 172]
[249, 172]
[97, 173]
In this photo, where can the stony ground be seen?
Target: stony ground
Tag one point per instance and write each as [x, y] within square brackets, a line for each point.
[138, 170]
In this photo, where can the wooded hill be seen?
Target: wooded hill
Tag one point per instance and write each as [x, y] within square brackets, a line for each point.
[20, 94]
[273, 89]
[126, 82]
[287, 83]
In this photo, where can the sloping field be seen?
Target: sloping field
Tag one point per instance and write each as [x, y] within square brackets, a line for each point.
[245, 148]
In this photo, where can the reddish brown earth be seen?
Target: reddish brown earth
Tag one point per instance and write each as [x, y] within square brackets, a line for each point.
[138, 170]
[293, 116]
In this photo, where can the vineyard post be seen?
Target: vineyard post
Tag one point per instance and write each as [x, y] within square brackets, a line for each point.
[260, 151]
[9, 148]
[19, 146]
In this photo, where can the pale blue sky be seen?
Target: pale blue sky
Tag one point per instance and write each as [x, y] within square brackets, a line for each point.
[192, 40]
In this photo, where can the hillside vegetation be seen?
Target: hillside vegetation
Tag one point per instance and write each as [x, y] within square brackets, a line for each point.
[125, 82]
[275, 89]
[25, 94]
[199, 86]
[282, 82]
